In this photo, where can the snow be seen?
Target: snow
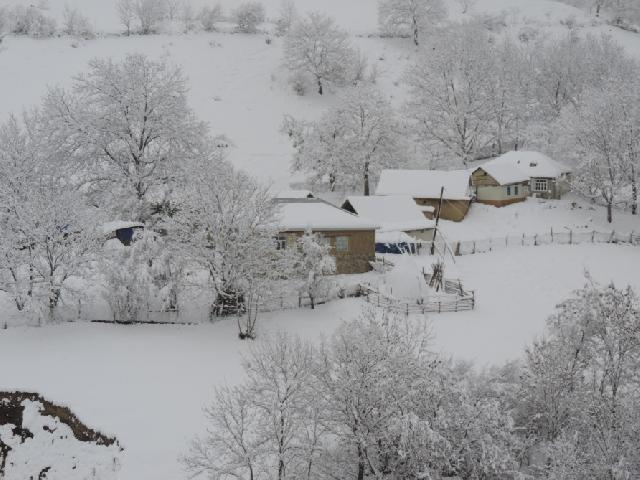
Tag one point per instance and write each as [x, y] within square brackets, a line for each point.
[54, 445]
[529, 164]
[294, 194]
[505, 173]
[391, 212]
[147, 384]
[317, 215]
[425, 183]
[537, 216]
[119, 224]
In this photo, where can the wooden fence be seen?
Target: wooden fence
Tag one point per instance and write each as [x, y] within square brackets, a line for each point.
[552, 237]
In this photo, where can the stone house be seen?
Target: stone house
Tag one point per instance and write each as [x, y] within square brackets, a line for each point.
[352, 238]
[424, 186]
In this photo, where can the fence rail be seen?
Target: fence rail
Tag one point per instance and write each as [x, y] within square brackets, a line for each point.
[552, 237]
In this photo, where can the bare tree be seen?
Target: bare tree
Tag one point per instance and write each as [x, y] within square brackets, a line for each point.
[126, 14]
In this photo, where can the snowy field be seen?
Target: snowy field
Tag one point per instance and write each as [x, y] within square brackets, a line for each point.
[147, 385]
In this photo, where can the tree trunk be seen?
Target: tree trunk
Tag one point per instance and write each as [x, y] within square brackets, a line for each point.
[609, 212]
[320, 89]
[415, 31]
[634, 191]
[366, 179]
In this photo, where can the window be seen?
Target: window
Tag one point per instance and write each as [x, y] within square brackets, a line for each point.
[281, 242]
[508, 191]
[540, 185]
[515, 190]
[342, 244]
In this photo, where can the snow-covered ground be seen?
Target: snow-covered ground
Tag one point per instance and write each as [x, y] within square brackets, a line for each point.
[537, 216]
[147, 384]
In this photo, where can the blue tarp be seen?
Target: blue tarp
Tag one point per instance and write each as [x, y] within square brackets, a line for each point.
[397, 248]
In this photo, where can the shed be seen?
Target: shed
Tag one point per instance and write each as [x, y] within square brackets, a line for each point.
[352, 238]
[395, 214]
[499, 183]
[424, 187]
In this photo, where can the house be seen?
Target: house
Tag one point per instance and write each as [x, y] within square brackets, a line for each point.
[424, 186]
[352, 238]
[123, 231]
[547, 178]
[402, 224]
[499, 183]
[515, 175]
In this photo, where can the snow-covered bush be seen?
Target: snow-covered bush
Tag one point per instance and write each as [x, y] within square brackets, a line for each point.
[31, 21]
[315, 263]
[76, 24]
[248, 16]
[209, 16]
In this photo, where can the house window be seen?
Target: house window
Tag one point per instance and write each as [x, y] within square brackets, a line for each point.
[508, 191]
[515, 190]
[281, 242]
[540, 185]
[342, 244]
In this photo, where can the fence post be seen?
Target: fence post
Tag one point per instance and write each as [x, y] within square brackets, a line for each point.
[535, 240]
[570, 237]
[613, 234]
[506, 240]
[593, 236]
[457, 252]
[474, 247]
[407, 309]
[631, 238]
[551, 234]
[439, 307]
[523, 239]
[473, 299]
[490, 244]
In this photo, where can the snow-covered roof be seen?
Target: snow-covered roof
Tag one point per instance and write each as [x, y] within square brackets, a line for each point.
[518, 166]
[295, 194]
[425, 183]
[120, 224]
[391, 212]
[317, 215]
[536, 164]
[395, 237]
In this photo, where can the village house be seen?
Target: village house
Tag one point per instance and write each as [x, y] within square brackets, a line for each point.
[425, 186]
[515, 175]
[352, 238]
[403, 226]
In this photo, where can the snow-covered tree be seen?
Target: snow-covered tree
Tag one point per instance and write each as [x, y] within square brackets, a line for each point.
[209, 17]
[352, 142]
[149, 14]
[316, 46]
[48, 231]
[127, 127]
[451, 92]
[410, 18]
[126, 14]
[248, 16]
[315, 263]
[287, 15]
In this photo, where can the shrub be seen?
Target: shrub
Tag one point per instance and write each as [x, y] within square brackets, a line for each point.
[248, 16]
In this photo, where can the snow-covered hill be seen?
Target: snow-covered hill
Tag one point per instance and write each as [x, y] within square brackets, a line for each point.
[237, 82]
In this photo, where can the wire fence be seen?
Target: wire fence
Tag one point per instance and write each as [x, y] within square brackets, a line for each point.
[568, 237]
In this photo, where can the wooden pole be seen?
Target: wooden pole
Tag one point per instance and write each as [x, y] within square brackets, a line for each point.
[433, 243]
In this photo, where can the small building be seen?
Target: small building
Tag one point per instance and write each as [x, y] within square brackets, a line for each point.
[424, 186]
[403, 226]
[499, 183]
[547, 178]
[352, 238]
[123, 231]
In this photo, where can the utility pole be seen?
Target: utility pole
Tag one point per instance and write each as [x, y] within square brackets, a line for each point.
[435, 232]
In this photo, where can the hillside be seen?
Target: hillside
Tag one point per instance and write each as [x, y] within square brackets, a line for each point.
[238, 84]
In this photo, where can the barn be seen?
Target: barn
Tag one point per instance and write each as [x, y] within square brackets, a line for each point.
[425, 186]
[352, 238]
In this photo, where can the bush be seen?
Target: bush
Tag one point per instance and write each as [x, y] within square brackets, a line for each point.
[248, 16]
[209, 16]
[76, 24]
[32, 22]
